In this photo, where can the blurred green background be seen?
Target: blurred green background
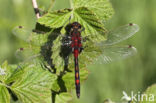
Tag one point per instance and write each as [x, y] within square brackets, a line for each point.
[104, 81]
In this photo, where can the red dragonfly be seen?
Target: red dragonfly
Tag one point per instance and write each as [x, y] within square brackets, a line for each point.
[106, 49]
[76, 46]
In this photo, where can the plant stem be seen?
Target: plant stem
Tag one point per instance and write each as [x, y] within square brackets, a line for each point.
[36, 10]
[72, 7]
[51, 5]
[71, 4]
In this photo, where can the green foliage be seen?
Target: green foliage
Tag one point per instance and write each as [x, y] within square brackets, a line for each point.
[94, 28]
[57, 59]
[84, 12]
[33, 87]
[135, 73]
[4, 95]
[101, 8]
[29, 82]
[70, 83]
[87, 16]
[46, 48]
[63, 98]
[55, 19]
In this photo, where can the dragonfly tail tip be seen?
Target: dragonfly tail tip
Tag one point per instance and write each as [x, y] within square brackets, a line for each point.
[130, 24]
[78, 95]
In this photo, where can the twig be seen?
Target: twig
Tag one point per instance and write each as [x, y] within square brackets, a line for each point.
[35, 6]
[72, 7]
[71, 4]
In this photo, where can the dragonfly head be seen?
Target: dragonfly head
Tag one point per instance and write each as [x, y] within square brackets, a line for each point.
[76, 25]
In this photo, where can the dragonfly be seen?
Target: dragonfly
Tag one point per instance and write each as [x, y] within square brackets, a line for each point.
[106, 51]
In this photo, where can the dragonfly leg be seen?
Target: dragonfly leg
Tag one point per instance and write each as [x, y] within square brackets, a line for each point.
[83, 29]
[81, 49]
[72, 50]
[84, 39]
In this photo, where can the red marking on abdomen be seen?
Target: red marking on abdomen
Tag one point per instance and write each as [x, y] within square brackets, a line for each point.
[76, 52]
[77, 82]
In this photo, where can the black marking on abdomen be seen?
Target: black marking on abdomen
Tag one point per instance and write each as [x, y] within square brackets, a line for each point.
[77, 78]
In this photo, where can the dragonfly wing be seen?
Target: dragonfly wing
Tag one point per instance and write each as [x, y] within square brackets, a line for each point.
[121, 33]
[35, 37]
[22, 33]
[27, 54]
[111, 53]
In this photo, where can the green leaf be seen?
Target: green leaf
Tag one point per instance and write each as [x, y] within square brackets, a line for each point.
[55, 86]
[93, 26]
[34, 85]
[69, 78]
[4, 95]
[15, 73]
[151, 93]
[4, 72]
[55, 19]
[57, 59]
[38, 39]
[102, 8]
[63, 98]
[12, 101]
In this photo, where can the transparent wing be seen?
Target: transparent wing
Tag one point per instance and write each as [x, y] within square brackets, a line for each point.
[27, 54]
[101, 55]
[33, 37]
[121, 33]
[105, 52]
[22, 33]
[36, 37]
[116, 53]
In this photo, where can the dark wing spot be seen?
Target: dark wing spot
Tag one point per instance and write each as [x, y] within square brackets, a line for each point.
[20, 27]
[21, 49]
[129, 46]
[130, 24]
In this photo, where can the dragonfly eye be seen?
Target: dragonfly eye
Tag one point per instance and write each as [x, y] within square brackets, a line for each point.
[76, 25]
[79, 26]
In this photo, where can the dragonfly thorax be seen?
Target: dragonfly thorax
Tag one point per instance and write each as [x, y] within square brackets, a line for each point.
[76, 36]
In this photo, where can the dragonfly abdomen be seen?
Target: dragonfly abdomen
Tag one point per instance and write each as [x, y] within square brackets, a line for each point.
[77, 78]
[76, 48]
